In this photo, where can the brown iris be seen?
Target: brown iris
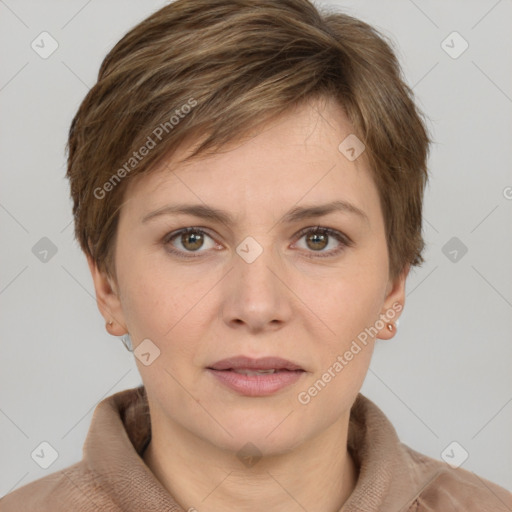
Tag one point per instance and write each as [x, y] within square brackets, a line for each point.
[317, 238]
[192, 241]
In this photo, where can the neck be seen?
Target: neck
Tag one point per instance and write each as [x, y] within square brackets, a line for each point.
[318, 475]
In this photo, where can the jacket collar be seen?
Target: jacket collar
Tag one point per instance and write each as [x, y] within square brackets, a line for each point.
[389, 477]
[119, 429]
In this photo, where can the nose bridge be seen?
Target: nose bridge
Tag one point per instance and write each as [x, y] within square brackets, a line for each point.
[257, 296]
[255, 259]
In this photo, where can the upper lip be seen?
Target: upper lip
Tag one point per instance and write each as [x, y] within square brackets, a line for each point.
[262, 363]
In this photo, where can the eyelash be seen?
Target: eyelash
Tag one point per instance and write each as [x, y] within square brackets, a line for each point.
[344, 240]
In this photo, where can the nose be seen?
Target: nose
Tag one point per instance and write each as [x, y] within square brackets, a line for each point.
[257, 296]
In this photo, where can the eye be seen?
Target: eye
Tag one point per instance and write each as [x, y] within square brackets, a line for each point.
[191, 240]
[318, 238]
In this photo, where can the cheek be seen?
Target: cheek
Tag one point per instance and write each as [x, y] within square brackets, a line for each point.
[350, 310]
[348, 303]
[348, 353]
[149, 300]
[165, 304]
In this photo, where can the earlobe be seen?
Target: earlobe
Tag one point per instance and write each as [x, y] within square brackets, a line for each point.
[393, 306]
[107, 300]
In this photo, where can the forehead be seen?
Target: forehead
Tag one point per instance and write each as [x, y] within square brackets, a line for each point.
[294, 159]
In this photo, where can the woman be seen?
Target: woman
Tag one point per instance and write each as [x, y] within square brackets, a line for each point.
[247, 180]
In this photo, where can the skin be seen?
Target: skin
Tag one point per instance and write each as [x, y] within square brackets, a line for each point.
[290, 302]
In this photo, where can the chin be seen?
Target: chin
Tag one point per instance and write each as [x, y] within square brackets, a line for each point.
[269, 435]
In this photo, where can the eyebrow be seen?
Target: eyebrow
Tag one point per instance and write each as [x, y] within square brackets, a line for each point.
[294, 215]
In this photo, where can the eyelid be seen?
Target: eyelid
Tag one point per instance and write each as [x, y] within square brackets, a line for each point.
[324, 229]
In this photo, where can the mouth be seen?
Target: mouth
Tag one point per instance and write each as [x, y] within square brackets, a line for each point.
[262, 365]
[256, 377]
[244, 371]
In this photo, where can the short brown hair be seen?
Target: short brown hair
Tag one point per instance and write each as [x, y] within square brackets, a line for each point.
[235, 64]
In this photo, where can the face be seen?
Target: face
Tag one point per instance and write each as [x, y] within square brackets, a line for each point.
[262, 281]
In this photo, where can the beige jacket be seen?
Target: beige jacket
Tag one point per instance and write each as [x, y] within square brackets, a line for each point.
[112, 476]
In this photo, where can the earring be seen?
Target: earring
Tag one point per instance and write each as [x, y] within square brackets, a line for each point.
[127, 342]
[390, 327]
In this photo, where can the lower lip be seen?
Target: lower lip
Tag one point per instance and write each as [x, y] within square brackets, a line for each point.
[257, 385]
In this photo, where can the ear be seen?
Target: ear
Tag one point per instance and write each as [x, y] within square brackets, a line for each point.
[393, 304]
[108, 300]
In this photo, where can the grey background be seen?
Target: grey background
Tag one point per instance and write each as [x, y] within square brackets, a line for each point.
[445, 376]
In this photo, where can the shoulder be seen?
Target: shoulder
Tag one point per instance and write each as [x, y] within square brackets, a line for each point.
[394, 477]
[73, 488]
[446, 488]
